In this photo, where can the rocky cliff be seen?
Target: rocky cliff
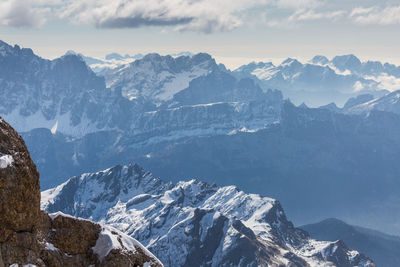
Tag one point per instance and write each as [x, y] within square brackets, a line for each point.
[31, 236]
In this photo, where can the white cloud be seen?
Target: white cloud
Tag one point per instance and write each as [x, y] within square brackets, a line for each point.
[184, 15]
[358, 86]
[313, 15]
[360, 11]
[17, 13]
[188, 15]
[386, 82]
[306, 14]
[387, 16]
[195, 15]
[296, 4]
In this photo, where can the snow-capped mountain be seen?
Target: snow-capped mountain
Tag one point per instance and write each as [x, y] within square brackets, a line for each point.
[219, 128]
[309, 154]
[322, 81]
[194, 223]
[114, 60]
[63, 94]
[109, 62]
[159, 78]
[153, 94]
[366, 103]
[382, 248]
[152, 100]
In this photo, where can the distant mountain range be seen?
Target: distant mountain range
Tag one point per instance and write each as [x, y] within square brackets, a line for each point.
[189, 117]
[322, 81]
[382, 248]
[317, 82]
[114, 60]
[194, 223]
[110, 61]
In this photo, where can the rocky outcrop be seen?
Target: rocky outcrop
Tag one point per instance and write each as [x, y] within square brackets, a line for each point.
[31, 236]
[19, 186]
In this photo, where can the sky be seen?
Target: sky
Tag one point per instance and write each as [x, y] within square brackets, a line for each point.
[235, 32]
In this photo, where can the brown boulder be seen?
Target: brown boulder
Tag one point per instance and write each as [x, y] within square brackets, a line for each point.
[19, 185]
[31, 236]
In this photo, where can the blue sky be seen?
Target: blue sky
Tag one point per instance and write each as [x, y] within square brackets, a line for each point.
[234, 31]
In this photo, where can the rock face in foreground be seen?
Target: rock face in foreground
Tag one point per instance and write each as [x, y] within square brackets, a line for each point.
[31, 236]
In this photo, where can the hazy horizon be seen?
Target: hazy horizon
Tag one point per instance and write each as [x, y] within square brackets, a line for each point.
[234, 32]
[231, 62]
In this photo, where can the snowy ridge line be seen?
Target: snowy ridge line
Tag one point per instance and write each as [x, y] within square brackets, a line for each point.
[178, 222]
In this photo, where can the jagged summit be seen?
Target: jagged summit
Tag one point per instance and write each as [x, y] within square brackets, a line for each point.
[114, 56]
[382, 248]
[31, 237]
[347, 62]
[290, 61]
[320, 60]
[360, 99]
[159, 78]
[8, 50]
[364, 104]
[332, 107]
[322, 81]
[194, 223]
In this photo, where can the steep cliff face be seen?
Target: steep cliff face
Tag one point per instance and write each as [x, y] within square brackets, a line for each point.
[31, 236]
[63, 95]
[19, 185]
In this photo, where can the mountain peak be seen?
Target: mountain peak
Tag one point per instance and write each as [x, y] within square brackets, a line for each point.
[200, 57]
[331, 106]
[181, 221]
[70, 52]
[115, 56]
[358, 100]
[6, 49]
[382, 248]
[290, 61]
[333, 221]
[347, 58]
[154, 57]
[322, 60]
[303, 105]
[347, 62]
[364, 104]
[4, 44]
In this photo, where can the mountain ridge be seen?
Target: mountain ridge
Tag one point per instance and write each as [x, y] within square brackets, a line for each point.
[321, 81]
[382, 248]
[216, 225]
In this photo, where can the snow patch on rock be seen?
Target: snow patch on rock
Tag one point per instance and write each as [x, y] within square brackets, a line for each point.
[6, 160]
